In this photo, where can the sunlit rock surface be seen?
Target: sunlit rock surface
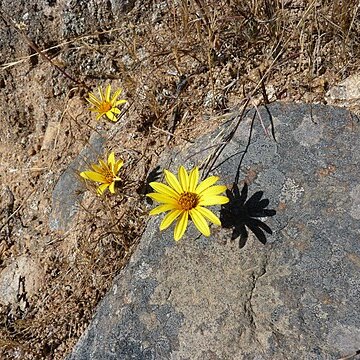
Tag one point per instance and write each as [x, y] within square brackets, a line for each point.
[295, 297]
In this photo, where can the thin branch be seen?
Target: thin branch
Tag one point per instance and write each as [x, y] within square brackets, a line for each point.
[31, 43]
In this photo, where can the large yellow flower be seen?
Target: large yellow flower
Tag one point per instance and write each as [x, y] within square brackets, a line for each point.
[104, 173]
[106, 105]
[184, 198]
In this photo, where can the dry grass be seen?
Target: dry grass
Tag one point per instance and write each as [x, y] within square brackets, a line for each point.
[180, 62]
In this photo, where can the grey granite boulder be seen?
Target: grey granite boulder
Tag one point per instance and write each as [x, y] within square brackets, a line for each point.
[294, 297]
[68, 190]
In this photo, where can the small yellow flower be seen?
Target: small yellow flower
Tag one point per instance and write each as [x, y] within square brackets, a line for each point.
[184, 198]
[104, 173]
[106, 105]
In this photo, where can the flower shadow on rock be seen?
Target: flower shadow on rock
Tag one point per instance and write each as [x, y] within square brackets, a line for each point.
[240, 214]
[144, 188]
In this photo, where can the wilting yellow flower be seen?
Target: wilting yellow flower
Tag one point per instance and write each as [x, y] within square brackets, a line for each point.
[104, 173]
[184, 198]
[106, 105]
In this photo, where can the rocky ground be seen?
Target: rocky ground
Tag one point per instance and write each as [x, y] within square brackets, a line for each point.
[183, 66]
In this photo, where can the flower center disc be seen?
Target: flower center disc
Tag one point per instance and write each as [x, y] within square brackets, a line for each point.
[109, 175]
[188, 200]
[105, 106]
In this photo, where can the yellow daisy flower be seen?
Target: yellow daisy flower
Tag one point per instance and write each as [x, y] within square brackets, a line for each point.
[184, 198]
[104, 173]
[106, 105]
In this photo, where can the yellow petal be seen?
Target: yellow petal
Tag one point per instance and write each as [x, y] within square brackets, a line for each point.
[111, 159]
[169, 218]
[206, 183]
[115, 110]
[209, 215]
[213, 200]
[83, 175]
[111, 116]
[99, 116]
[173, 181]
[107, 93]
[116, 95]
[164, 189]
[213, 190]
[118, 166]
[193, 179]
[181, 225]
[162, 208]
[102, 188]
[94, 176]
[200, 222]
[112, 187]
[92, 96]
[103, 164]
[161, 198]
[97, 168]
[184, 178]
[120, 102]
[101, 94]
[92, 99]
